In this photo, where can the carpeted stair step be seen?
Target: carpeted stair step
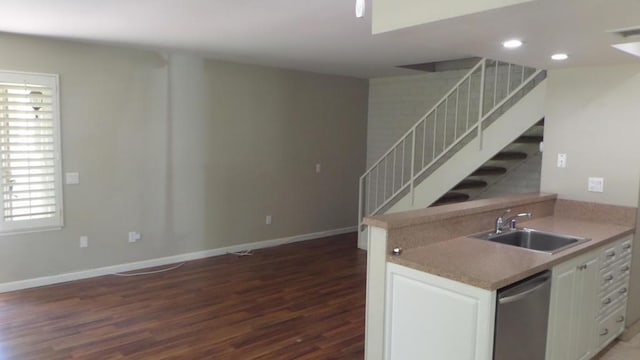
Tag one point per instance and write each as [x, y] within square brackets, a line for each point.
[489, 170]
[510, 155]
[529, 139]
[470, 184]
[451, 198]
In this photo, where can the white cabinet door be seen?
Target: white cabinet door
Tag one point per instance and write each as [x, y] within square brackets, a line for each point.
[586, 322]
[562, 311]
[429, 317]
[572, 315]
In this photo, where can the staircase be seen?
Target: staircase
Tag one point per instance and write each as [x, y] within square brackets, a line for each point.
[492, 171]
[491, 106]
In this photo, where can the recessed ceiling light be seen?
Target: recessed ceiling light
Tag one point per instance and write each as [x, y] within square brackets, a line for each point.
[559, 57]
[512, 44]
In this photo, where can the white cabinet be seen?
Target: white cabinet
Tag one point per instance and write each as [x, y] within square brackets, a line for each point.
[588, 298]
[615, 264]
[574, 286]
[429, 317]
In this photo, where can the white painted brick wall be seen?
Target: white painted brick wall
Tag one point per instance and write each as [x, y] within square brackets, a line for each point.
[397, 103]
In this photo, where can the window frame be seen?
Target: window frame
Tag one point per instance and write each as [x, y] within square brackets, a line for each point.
[55, 222]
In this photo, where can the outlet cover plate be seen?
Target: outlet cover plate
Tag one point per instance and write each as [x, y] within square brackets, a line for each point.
[596, 184]
[562, 160]
[72, 178]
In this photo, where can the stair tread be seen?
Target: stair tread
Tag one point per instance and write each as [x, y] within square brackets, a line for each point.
[450, 198]
[470, 184]
[529, 139]
[510, 155]
[489, 170]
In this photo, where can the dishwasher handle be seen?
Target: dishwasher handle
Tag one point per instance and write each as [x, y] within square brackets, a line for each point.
[530, 287]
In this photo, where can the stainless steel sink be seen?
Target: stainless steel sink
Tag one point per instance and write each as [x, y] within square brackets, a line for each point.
[533, 240]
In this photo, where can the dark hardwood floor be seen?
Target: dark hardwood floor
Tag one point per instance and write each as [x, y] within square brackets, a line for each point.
[297, 301]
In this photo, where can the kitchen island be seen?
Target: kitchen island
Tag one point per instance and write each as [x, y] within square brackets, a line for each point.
[435, 250]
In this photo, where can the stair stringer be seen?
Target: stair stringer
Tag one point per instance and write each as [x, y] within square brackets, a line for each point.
[504, 130]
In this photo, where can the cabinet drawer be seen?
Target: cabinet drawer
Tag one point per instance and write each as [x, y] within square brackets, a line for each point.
[608, 256]
[611, 326]
[616, 251]
[610, 299]
[623, 268]
[608, 279]
[625, 247]
[615, 274]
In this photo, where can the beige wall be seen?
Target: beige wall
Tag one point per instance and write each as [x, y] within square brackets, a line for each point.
[192, 153]
[593, 116]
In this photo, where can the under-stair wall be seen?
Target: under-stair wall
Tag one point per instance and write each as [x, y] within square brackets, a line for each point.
[515, 169]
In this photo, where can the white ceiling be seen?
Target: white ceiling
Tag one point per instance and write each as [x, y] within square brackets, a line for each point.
[325, 36]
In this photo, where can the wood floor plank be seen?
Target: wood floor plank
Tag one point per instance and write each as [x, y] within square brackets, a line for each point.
[298, 301]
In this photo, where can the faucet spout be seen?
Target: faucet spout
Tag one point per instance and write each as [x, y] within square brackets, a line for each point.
[511, 221]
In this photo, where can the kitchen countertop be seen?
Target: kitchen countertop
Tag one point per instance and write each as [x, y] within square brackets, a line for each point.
[431, 214]
[491, 265]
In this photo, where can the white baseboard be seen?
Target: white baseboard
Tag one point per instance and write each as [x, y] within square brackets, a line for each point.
[60, 278]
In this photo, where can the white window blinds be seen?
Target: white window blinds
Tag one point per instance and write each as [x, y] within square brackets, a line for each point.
[29, 152]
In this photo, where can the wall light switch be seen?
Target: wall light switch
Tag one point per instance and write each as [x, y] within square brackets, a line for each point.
[596, 184]
[72, 178]
[562, 160]
[84, 241]
[267, 220]
[318, 168]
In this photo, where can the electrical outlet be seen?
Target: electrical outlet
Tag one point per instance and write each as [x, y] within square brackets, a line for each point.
[84, 241]
[134, 236]
[267, 220]
[596, 184]
[72, 178]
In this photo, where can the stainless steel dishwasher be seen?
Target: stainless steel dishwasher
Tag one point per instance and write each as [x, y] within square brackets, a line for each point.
[522, 314]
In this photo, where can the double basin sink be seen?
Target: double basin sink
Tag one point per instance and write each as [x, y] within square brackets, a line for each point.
[534, 240]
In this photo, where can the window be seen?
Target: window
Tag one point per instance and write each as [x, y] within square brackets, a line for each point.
[31, 187]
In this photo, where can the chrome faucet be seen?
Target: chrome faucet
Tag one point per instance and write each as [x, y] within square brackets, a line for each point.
[511, 221]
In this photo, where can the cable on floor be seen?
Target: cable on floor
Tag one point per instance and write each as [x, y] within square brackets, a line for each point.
[149, 272]
[242, 253]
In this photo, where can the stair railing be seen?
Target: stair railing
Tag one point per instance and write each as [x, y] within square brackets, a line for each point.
[461, 112]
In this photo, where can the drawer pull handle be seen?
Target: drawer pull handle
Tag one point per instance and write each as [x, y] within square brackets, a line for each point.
[611, 254]
[606, 301]
[622, 291]
[604, 332]
[608, 277]
[620, 319]
[624, 268]
[626, 246]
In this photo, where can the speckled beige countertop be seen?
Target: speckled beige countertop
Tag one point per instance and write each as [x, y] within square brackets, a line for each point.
[490, 265]
[432, 214]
